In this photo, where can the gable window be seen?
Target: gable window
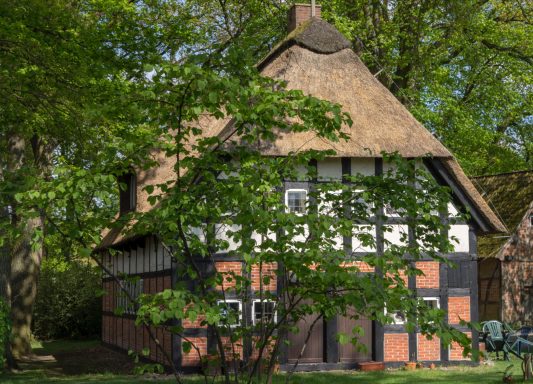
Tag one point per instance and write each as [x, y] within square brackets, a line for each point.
[432, 302]
[296, 200]
[134, 289]
[531, 219]
[128, 192]
[263, 311]
[230, 312]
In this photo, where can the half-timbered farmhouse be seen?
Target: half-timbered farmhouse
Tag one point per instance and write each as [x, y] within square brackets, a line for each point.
[318, 60]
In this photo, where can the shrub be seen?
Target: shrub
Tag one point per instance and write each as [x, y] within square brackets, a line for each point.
[5, 331]
[68, 300]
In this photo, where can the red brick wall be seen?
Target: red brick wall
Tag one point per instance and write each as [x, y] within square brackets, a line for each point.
[192, 359]
[430, 278]
[428, 350]
[268, 269]
[456, 351]
[396, 347]
[300, 13]
[363, 267]
[402, 275]
[228, 269]
[458, 308]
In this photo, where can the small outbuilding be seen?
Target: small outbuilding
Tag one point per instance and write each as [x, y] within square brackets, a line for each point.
[506, 261]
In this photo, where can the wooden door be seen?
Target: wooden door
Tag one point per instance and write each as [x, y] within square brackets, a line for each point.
[348, 353]
[314, 351]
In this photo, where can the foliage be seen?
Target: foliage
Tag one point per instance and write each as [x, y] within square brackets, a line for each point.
[464, 68]
[68, 301]
[5, 331]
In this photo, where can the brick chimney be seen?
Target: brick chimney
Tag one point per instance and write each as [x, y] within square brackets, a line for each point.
[300, 13]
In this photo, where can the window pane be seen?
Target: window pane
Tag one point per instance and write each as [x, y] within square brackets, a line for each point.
[263, 311]
[296, 201]
[230, 312]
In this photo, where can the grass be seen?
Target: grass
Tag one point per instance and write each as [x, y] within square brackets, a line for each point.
[83, 353]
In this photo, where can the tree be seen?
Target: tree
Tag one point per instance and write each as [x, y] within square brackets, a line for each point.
[462, 67]
[226, 192]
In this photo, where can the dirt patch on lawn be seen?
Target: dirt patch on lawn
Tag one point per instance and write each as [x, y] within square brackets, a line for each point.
[94, 360]
[80, 361]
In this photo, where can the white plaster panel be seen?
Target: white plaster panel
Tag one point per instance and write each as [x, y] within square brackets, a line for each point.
[395, 234]
[363, 165]
[325, 205]
[221, 234]
[258, 238]
[301, 172]
[388, 166]
[452, 210]
[329, 169]
[461, 232]
[357, 245]
[303, 236]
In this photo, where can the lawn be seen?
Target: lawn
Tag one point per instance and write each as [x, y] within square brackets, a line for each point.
[88, 362]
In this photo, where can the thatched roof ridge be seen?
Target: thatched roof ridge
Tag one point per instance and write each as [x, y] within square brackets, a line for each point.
[509, 194]
[315, 35]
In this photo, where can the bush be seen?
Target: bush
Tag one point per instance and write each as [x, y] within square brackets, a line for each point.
[5, 331]
[68, 300]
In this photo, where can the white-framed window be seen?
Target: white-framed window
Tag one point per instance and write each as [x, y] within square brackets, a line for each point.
[263, 311]
[432, 302]
[296, 200]
[531, 219]
[134, 290]
[398, 317]
[230, 312]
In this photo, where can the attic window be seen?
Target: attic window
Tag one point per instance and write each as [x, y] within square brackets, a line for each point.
[531, 219]
[128, 192]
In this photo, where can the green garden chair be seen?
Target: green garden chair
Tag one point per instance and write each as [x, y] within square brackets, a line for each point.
[495, 338]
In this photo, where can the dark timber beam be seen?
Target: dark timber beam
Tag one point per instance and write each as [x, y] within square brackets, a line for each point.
[443, 177]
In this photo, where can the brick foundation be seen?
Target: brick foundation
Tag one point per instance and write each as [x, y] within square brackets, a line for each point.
[456, 351]
[192, 359]
[396, 347]
[428, 350]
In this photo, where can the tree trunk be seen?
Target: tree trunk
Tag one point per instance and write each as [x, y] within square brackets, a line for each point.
[25, 260]
[5, 269]
[25, 266]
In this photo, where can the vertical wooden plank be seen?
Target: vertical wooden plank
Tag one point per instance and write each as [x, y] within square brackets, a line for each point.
[347, 171]
[332, 346]
[377, 328]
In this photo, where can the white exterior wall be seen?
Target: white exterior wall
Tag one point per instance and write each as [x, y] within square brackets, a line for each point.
[357, 245]
[364, 166]
[461, 232]
[329, 169]
[398, 235]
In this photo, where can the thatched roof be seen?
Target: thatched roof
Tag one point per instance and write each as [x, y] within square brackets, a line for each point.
[509, 194]
[317, 59]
